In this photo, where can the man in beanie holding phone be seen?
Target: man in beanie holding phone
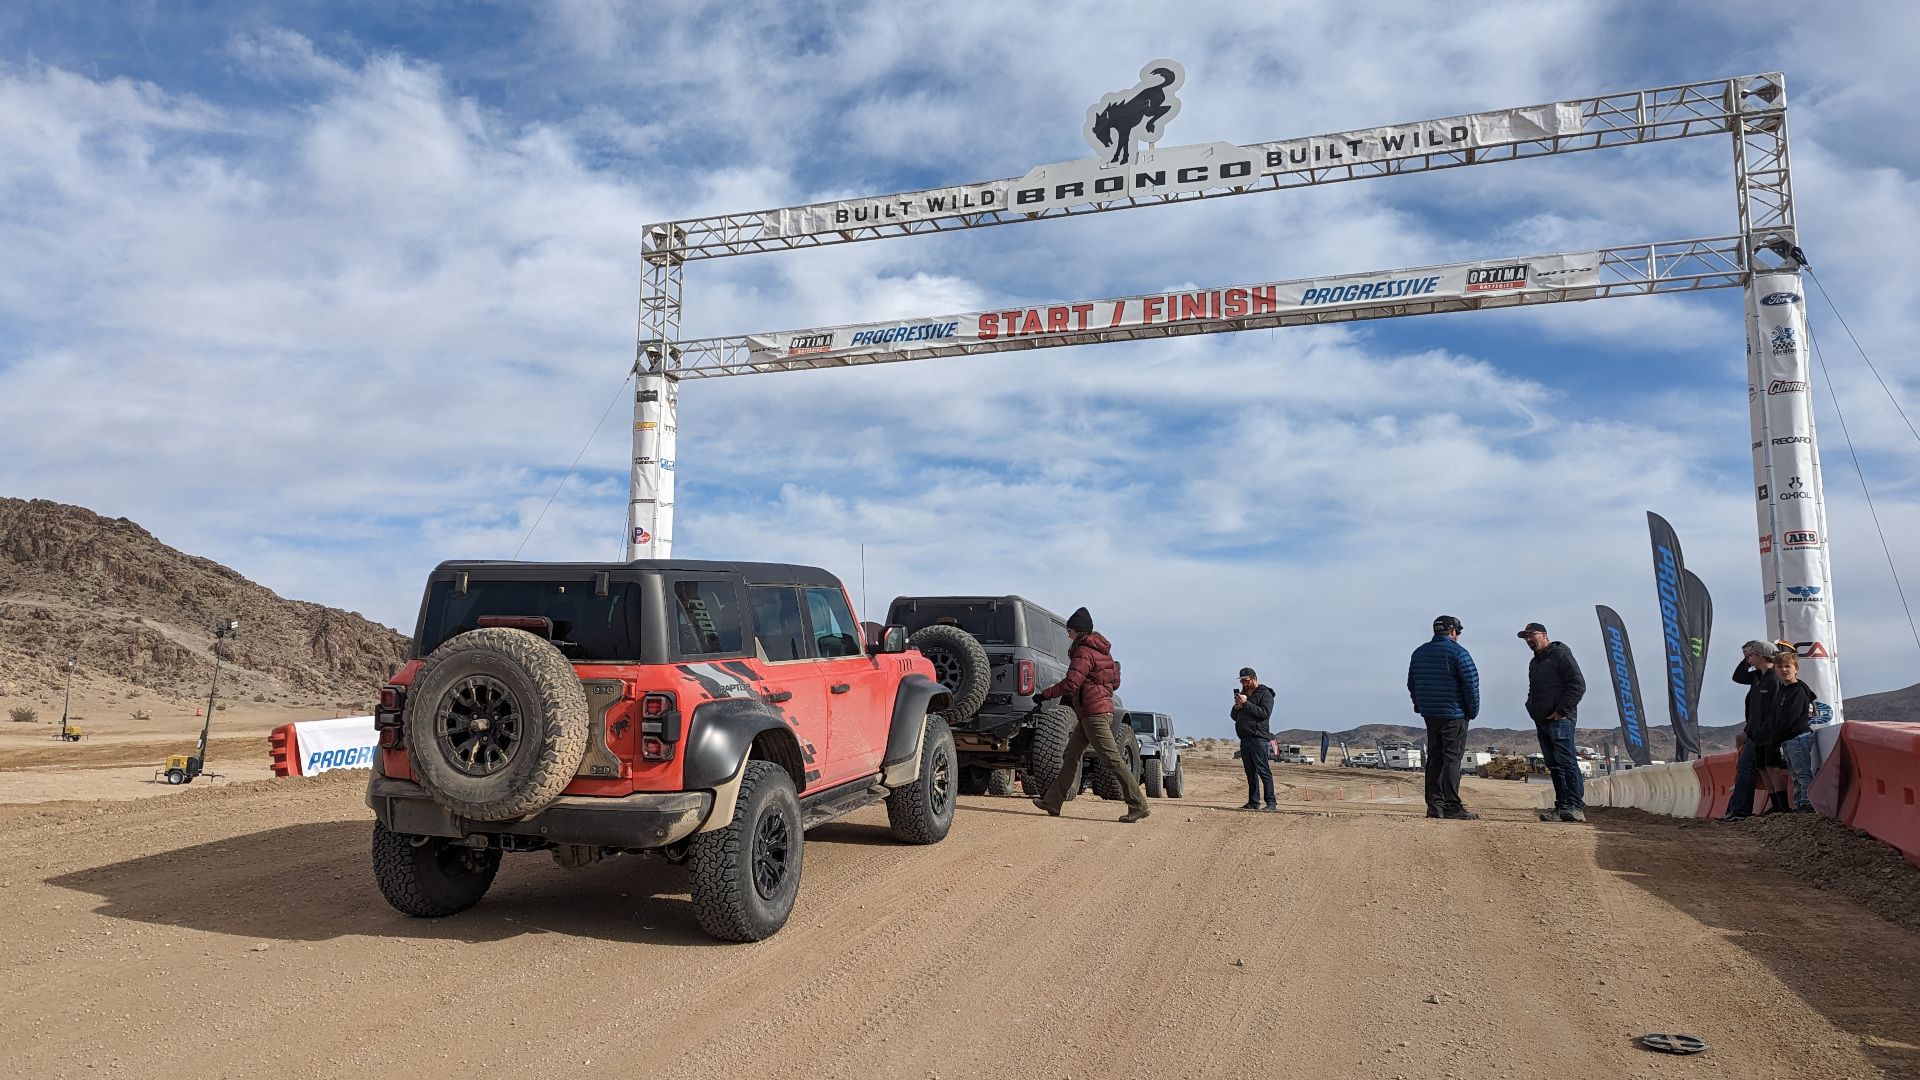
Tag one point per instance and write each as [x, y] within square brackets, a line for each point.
[1092, 677]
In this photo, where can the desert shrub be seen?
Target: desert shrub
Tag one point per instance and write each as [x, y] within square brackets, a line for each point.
[20, 714]
[142, 714]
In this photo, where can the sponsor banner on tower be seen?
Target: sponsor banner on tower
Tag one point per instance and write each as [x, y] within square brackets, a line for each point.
[1125, 129]
[1490, 283]
[1796, 579]
[656, 420]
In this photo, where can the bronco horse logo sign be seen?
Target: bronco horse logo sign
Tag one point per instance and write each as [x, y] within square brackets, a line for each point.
[1143, 113]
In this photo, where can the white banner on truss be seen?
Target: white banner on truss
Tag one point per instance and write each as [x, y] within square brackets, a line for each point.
[1174, 170]
[1492, 283]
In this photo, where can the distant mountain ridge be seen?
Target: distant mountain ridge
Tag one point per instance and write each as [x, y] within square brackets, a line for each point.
[137, 612]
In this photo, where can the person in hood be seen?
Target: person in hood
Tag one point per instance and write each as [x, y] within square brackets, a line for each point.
[1092, 677]
[1445, 687]
[1252, 713]
[1554, 689]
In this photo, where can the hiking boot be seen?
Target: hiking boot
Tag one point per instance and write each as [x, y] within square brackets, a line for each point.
[1251, 806]
[1573, 815]
[1270, 808]
[1132, 816]
[1548, 815]
[1432, 813]
[1051, 812]
[1461, 815]
[1735, 817]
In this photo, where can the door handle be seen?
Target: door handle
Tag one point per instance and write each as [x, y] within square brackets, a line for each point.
[840, 688]
[777, 696]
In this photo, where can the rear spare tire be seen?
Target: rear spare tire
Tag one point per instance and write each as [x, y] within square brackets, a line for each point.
[1048, 751]
[959, 664]
[496, 724]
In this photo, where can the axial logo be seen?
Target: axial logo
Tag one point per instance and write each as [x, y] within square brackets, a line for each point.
[1794, 490]
[809, 343]
[1784, 342]
[1803, 594]
[1801, 538]
[1776, 299]
[1497, 278]
[1760, 493]
[1786, 386]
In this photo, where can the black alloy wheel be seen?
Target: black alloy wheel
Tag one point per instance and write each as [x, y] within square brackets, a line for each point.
[479, 726]
[940, 780]
[772, 847]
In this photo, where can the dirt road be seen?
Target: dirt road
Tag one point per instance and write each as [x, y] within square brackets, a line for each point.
[215, 932]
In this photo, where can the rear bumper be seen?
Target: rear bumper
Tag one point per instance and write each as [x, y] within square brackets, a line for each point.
[647, 820]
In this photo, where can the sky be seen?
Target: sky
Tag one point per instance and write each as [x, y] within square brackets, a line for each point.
[331, 292]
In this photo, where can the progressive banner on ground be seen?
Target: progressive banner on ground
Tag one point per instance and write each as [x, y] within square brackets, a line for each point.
[1670, 585]
[1618, 650]
[1174, 170]
[346, 742]
[1493, 282]
[1699, 622]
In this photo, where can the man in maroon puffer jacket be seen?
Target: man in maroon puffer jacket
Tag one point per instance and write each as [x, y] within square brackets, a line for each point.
[1092, 677]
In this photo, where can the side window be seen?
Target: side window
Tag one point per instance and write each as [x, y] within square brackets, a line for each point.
[1056, 641]
[706, 616]
[776, 622]
[834, 633]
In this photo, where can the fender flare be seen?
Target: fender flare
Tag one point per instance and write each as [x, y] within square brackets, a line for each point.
[719, 736]
[913, 700]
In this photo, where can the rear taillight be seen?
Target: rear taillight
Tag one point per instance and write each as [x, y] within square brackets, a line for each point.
[659, 726]
[387, 715]
[1023, 676]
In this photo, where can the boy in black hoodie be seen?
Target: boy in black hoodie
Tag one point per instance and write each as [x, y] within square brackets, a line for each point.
[1779, 708]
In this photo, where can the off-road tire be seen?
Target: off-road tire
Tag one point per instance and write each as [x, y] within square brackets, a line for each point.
[1177, 783]
[545, 697]
[922, 812]
[960, 664]
[973, 780]
[431, 878]
[1047, 752]
[728, 897]
[1000, 782]
[1105, 784]
[1152, 781]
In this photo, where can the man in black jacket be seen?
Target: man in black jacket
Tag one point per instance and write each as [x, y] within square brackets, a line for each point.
[1252, 708]
[1554, 689]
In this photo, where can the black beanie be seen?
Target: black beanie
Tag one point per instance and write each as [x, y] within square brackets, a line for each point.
[1080, 621]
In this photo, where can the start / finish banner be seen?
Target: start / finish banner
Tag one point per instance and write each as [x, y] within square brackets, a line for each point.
[343, 743]
[1493, 283]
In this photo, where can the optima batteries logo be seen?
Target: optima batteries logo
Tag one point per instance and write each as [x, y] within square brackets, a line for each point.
[1497, 278]
[917, 332]
[809, 343]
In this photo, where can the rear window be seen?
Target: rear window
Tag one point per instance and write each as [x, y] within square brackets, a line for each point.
[986, 620]
[585, 627]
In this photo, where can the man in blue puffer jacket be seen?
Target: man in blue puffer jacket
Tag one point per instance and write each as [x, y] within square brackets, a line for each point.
[1445, 687]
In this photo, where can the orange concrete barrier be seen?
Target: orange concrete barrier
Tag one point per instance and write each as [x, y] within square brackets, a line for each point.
[284, 748]
[1881, 783]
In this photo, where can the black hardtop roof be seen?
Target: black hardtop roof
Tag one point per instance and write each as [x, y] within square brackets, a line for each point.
[755, 573]
[973, 600]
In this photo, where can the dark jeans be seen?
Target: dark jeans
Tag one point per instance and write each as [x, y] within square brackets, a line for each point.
[1446, 741]
[1556, 745]
[1255, 755]
[1740, 803]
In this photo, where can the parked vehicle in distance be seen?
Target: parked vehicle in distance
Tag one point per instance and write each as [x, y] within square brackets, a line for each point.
[710, 712]
[1163, 769]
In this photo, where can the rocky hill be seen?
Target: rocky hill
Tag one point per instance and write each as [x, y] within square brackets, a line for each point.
[134, 611]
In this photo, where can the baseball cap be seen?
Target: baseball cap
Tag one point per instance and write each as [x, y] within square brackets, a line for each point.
[1443, 623]
[1248, 673]
[1532, 628]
